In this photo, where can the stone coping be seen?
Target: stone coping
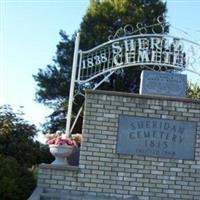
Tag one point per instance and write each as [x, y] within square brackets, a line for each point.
[59, 167]
[36, 194]
[125, 94]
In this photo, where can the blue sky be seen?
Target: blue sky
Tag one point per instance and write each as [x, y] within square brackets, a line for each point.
[29, 33]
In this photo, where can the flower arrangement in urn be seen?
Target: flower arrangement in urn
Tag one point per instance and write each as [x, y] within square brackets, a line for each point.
[61, 146]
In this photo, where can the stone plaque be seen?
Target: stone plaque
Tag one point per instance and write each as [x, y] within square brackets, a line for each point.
[163, 83]
[156, 137]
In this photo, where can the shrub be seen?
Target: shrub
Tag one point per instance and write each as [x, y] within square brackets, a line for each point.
[16, 183]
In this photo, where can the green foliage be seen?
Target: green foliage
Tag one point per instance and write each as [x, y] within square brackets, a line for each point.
[44, 154]
[53, 83]
[193, 91]
[18, 152]
[17, 138]
[102, 18]
[16, 182]
[106, 17]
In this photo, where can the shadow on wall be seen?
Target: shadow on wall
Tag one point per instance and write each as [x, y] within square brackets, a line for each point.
[73, 159]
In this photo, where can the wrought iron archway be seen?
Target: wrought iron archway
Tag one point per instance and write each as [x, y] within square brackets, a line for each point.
[142, 47]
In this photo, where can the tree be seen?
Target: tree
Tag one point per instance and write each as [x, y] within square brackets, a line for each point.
[16, 182]
[54, 83]
[18, 152]
[193, 91]
[103, 18]
[17, 138]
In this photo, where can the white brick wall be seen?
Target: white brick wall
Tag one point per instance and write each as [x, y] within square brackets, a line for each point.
[102, 170]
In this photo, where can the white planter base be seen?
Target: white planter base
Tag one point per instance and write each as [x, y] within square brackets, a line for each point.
[60, 152]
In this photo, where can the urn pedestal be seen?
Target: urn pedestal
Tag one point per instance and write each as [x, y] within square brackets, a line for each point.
[60, 152]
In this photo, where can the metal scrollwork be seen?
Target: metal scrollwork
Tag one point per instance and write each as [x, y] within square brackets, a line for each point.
[146, 46]
[120, 72]
[141, 29]
[128, 29]
[121, 32]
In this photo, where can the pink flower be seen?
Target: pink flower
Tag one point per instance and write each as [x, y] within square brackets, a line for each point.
[56, 139]
[52, 141]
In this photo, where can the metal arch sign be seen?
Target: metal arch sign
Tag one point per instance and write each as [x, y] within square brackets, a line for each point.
[134, 48]
[156, 51]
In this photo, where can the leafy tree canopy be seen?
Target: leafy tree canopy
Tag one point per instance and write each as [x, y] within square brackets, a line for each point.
[18, 152]
[17, 138]
[16, 182]
[106, 17]
[54, 82]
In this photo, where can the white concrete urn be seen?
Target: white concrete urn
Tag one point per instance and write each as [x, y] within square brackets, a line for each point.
[60, 152]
